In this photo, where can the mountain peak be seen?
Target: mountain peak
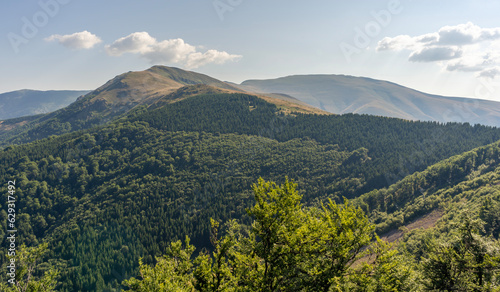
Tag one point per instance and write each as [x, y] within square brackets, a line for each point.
[156, 86]
[185, 77]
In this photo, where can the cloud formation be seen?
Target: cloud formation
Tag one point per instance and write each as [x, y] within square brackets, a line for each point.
[78, 40]
[464, 47]
[433, 54]
[167, 51]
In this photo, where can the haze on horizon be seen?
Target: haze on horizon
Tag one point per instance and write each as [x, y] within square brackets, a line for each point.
[447, 49]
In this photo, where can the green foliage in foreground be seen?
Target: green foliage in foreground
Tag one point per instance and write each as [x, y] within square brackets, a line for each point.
[465, 262]
[104, 197]
[454, 256]
[287, 248]
[332, 248]
[25, 271]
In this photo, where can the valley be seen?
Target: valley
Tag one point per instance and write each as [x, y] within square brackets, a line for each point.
[154, 156]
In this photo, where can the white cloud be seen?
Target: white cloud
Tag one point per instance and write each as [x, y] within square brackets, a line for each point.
[473, 59]
[138, 42]
[461, 34]
[464, 47]
[211, 56]
[433, 54]
[397, 43]
[490, 72]
[167, 51]
[427, 38]
[78, 40]
[460, 65]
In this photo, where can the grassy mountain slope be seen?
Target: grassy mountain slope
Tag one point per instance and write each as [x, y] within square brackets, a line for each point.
[347, 94]
[190, 78]
[105, 196]
[117, 97]
[34, 102]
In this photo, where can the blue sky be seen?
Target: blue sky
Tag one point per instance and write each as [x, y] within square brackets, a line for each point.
[441, 47]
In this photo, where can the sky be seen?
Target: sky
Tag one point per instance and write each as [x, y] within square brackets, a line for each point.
[441, 47]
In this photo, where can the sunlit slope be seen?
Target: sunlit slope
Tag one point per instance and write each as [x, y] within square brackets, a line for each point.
[347, 94]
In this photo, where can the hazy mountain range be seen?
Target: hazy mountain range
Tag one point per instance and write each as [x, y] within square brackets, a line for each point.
[33, 102]
[159, 84]
[337, 94]
[152, 156]
[342, 94]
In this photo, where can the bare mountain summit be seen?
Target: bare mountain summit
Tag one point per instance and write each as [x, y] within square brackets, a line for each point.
[152, 87]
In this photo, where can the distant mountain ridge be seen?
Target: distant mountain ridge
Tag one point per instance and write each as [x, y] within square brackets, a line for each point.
[157, 173]
[158, 84]
[310, 94]
[28, 102]
[149, 158]
[341, 94]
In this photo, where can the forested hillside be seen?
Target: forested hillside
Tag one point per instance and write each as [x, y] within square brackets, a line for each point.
[157, 85]
[132, 188]
[341, 94]
[103, 197]
[467, 181]
[390, 149]
[462, 250]
[290, 247]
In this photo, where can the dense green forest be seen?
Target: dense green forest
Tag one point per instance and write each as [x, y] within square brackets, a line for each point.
[111, 101]
[332, 248]
[393, 148]
[104, 197]
[470, 179]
